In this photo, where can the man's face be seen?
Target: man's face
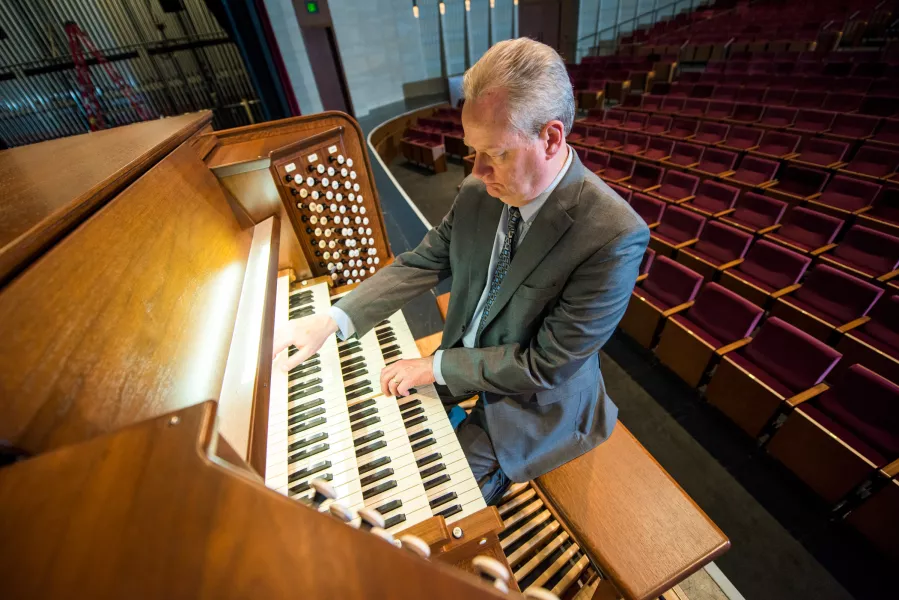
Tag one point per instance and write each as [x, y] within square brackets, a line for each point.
[512, 166]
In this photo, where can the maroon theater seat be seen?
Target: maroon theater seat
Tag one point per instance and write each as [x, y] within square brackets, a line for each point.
[680, 90]
[778, 144]
[756, 213]
[715, 162]
[657, 125]
[633, 102]
[646, 264]
[619, 169]
[726, 92]
[691, 342]
[873, 161]
[746, 113]
[651, 103]
[713, 199]
[762, 380]
[694, 107]
[837, 440]
[751, 95]
[846, 196]
[658, 149]
[650, 209]
[879, 106]
[615, 118]
[678, 228]
[798, 184]
[594, 116]
[719, 109]
[682, 129]
[808, 99]
[827, 302]
[672, 105]
[875, 343]
[669, 289]
[720, 247]
[622, 191]
[843, 102]
[778, 117]
[778, 97]
[853, 127]
[813, 121]
[581, 152]
[635, 143]
[754, 171]
[888, 133]
[884, 212]
[577, 134]
[677, 187]
[710, 132]
[596, 161]
[807, 231]
[742, 138]
[767, 272]
[614, 139]
[821, 152]
[635, 121]
[685, 155]
[866, 253]
[594, 136]
[645, 178]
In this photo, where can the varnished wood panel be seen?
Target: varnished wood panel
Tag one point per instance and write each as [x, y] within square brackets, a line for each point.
[145, 514]
[128, 317]
[631, 518]
[49, 188]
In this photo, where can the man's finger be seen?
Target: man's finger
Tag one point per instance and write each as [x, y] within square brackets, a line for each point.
[299, 358]
[404, 386]
[386, 375]
[393, 385]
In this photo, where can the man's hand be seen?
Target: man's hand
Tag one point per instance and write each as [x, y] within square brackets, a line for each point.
[398, 378]
[307, 334]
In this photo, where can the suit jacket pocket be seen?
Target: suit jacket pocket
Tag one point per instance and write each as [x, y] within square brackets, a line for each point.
[534, 293]
[583, 380]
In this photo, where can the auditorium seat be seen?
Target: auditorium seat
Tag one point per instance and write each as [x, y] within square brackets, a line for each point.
[827, 303]
[622, 191]
[867, 253]
[596, 161]
[778, 117]
[619, 169]
[694, 107]
[672, 105]
[807, 231]
[713, 199]
[821, 153]
[668, 290]
[614, 118]
[845, 196]
[850, 128]
[878, 519]
[719, 109]
[888, 133]
[678, 229]
[813, 121]
[718, 248]
[635, 121]
[842, 102]
[880, 106]
[873, 162]
[780, 368]
[595, 116]
[645, 264]
[755, 213]
[645, 178]
[778, 96]
[745, 113]
[726, 92]
[754, 172]
[884, 212]
[657, 125]
[577, 134]
[716, 163]
[677, 187]
[614, 139]
[741, 139]
[658, 149]
[685, 155]
[751, 94]
[650, 209]
[682, 129]
[633, 102]
[711, 133]
[875, 343]
[594, 136]
[838, 439]
[768, 271]
[797, 184]
[691, 342]
[652, 103]
[807, 99]
[635, 144]
[778, 145]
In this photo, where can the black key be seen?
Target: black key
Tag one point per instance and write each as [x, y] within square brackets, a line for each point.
[361, 405]
[365, 423]
[384, 322]
[305, 406]
[303, 385]
[379, 489]
[305, 426]
[433, 470]
[394, 520]
[349, 346]
[302, 487]
[356, 386]
[410, 404]
[363, 413]
[456, 508]
[355, 374]
[351, 362]
[390, 349]
[428, 459]
[300, 303]
[423, 444]
[348, 343]
[359, 394]
[306, 454]
[307, 392]
[382, 341]
[370, 479]
[291, 350]
[437, 481]
[299, 314]
[368, 438]
[311, 362]
[443, 499]
[392, 505]
[307, 441]
[303, 374]
[420, 434]
[392, 354]
[350, 352]
[412, 412]
[378, 462]
[387, 363]
[312, 470]
[306, 415]
[371, 448]
[414, 422]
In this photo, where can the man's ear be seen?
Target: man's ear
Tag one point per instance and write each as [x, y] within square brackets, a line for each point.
[554, 136]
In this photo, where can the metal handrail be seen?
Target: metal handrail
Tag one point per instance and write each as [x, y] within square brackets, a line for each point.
[637, 18]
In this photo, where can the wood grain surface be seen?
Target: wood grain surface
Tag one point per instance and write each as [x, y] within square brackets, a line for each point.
[129, 317]
[49, 188]
[146, 513]
[632, 519]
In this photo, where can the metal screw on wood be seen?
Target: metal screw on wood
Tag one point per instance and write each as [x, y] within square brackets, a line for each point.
[457, 532]
[174, 421]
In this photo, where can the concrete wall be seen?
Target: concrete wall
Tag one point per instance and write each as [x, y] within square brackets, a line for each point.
[293, 52]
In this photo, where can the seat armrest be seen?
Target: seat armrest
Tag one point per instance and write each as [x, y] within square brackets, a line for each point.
[733, 346]
[767, 184]
[862, 210]
[653, 225]
[814, 196]
[823, 249]
[891, 470]
[642, 277]
[808, 394]
[888, 276]
[684, 200]
[787, 290]
[677, 309]
[651, 189]
[853, 324]
[687, 243]
[769, 229]
[729, 265]
[724, 213]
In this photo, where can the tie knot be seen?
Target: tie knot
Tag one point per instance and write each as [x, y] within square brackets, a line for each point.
[514, 213]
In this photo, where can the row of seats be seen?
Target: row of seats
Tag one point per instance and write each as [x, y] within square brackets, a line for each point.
[424, 148]
[782, 90]
[450, 129]
[832, 65]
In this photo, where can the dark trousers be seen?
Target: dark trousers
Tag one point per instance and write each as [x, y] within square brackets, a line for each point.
[474, 438]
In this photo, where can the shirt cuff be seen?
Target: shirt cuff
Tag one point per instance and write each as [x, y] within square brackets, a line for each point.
[344, 324]
[438, 375]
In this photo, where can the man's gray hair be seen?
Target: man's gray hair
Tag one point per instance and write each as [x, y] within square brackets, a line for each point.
[534, 78]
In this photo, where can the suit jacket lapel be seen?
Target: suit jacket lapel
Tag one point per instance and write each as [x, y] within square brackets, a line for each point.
[548, 227]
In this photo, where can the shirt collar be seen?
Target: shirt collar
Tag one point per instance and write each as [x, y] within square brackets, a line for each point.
[529, 210]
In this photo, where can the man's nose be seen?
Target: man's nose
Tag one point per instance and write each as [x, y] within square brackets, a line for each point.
[480, 169]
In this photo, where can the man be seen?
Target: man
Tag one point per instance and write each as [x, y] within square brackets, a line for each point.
[543, 257]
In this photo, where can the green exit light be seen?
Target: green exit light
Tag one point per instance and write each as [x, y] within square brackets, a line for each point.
[312, 7]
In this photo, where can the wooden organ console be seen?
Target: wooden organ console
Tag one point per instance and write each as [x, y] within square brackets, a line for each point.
[157, 452]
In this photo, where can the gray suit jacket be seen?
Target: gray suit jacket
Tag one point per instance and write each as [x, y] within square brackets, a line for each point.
[537, 358]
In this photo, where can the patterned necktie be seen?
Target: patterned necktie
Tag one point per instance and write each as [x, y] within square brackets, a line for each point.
[502, 265]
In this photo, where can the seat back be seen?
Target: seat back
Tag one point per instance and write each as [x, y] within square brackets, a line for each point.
[822, 151]
[686, 154]
[719, 109]
[717, 161]
[837, 294]
[659, 147]
[849, 193]
[723, 242]
[874, 161]
[779, 116]
[854, 126]
[801, 181]
[646, 175]
[715, 197]
[888, 132]
[724, 314]
[615, 117]
[843, 102]
[778, 96]
[747, 113]
[758, 210]
[684, 127]
[646, 263]
[680, 224]
[791, 356]
[712, 131]
[596, 160]
[774, 265]
[872, 249]
[743, 137]
[635, 120]
[650, 209]
[779, 143]
[884, 323]
[657, 124]
[808, 99]
[886, 206]
[619, 166]
[756, 170]
[671, 282]
[622, 191]
[677, 185]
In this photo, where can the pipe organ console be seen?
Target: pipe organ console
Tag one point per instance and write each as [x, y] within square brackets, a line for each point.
[159, 448]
